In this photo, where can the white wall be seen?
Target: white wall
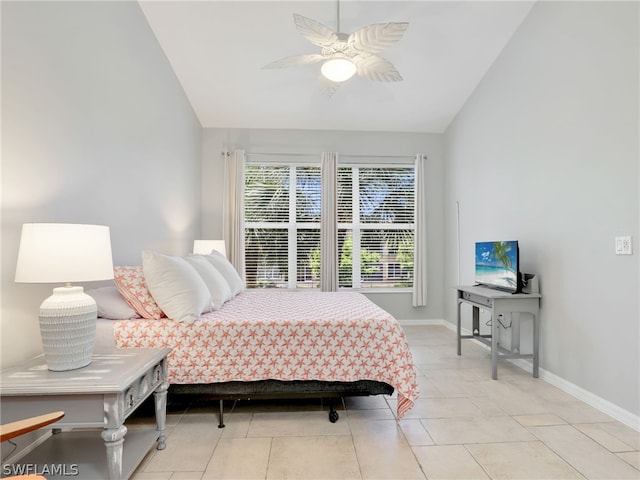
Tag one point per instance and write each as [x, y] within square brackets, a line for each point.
[546, 152]
[345, 142]
[95, 129]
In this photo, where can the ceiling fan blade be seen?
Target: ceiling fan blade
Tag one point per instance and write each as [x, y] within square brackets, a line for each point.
[377, 37]
[315, 32]
[376, 68]
[295, 61]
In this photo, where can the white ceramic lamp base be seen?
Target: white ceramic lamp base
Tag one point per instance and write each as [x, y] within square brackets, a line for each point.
[68, 328]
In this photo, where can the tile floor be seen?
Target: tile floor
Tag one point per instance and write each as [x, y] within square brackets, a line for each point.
[464, 426]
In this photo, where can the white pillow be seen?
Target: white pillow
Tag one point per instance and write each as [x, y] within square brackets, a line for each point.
[176, 287]
[227, 270]
[216, 283]
[111, 304]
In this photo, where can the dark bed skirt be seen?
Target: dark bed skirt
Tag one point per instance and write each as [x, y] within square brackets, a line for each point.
[278, 389]
[274, 389]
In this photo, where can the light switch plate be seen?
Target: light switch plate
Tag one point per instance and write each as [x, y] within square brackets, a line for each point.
[623, 245]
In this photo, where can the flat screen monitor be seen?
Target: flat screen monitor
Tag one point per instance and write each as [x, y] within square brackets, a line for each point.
[497, 265]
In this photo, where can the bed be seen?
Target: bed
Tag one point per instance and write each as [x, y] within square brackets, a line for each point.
[282, 344]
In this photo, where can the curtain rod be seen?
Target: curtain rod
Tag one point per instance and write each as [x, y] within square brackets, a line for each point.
[356, 155]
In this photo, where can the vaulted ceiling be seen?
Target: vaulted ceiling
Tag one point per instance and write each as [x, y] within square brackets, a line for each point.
[218, 48]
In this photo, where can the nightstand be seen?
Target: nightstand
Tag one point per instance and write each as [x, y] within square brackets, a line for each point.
[102, 394]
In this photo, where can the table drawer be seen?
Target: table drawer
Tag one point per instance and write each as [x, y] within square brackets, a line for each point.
[478, 299]
[141, 388]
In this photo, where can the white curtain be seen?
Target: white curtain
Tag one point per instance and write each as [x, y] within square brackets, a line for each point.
[420, 242]
[233, 208]
[329, 224]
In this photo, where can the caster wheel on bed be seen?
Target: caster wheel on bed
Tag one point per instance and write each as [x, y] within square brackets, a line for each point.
[333, 416]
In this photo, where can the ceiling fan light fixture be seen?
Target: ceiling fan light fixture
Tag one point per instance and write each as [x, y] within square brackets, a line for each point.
[338, 69]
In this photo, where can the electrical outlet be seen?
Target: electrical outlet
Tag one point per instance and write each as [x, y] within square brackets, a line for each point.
[623, 245]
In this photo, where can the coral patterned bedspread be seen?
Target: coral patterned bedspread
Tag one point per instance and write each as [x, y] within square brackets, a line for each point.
[284, 335]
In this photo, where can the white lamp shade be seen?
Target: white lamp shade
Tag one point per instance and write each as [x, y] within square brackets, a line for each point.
[338, 69]
[205, 247]
[64, 253]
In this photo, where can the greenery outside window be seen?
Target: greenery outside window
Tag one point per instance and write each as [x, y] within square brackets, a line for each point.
[376, 224]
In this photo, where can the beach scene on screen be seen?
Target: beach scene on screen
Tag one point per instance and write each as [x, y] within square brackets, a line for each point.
[496, 263]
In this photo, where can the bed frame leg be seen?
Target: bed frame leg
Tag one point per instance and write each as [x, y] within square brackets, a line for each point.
[333, 415]
[221, 424]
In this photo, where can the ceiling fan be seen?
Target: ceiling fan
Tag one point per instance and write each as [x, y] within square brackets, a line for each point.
[345, 55]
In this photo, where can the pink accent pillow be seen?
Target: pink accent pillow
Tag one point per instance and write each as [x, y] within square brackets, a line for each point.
[133, 287]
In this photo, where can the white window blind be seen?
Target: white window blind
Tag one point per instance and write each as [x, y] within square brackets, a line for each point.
[376, 224]
[282, 225]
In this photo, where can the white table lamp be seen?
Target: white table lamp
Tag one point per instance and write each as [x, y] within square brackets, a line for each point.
[64, 253]
[205, 247]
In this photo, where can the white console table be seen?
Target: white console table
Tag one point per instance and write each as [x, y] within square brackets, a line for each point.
[498, 303]
[102, 394]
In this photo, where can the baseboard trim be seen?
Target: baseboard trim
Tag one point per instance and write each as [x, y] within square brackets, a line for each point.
[605, 406]
[599, 403]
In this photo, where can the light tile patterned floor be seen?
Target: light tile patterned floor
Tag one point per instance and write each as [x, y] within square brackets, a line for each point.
[465, 426]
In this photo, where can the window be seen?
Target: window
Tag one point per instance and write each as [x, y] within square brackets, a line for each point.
[376, 223]
[282, 225]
